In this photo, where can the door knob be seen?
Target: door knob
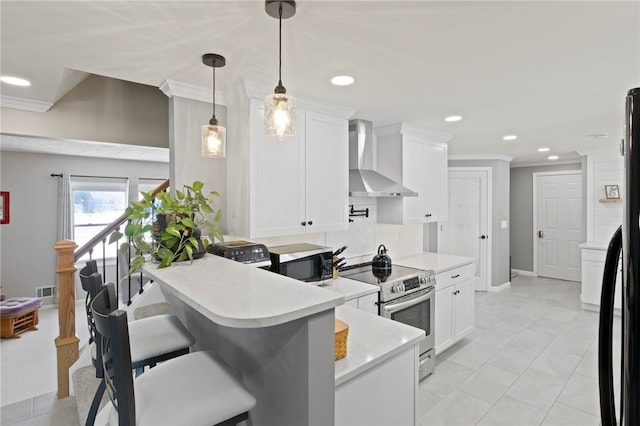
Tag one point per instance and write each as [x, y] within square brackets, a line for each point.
[540, 234]
[483, 237]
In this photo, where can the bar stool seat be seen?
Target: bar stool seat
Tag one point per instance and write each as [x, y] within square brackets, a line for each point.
[193, 389]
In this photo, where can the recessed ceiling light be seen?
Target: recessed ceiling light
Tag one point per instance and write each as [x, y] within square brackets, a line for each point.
[15, 81]
[342, 80]
[510, 138]
[545, 149]
[553, 157]
[453, 118]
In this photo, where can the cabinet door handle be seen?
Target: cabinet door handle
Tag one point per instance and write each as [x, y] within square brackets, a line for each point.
[310, 222]
[455, 276]
[304, 224]
[427, 215]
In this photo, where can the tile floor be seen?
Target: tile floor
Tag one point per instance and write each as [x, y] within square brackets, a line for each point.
[531, 360]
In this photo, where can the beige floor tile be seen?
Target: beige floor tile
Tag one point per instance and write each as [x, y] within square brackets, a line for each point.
[458, 408]
[537, 389]
[532, 340]
[581, 392]
[511, 412]
[488, 383]
[556, 363]
[473, 355]
[513, 359]
[564, 415]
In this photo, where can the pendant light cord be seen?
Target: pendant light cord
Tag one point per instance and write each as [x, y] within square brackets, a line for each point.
[214, 92]
[280, 47]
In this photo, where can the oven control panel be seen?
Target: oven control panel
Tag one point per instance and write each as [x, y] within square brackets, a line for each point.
[411, 284]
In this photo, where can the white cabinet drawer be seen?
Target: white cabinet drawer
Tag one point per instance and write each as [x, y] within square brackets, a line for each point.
[454, 276]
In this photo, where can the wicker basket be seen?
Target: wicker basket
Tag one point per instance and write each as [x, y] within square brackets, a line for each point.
[341, 330]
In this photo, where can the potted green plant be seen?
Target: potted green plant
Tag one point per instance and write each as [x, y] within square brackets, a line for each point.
[168, 228]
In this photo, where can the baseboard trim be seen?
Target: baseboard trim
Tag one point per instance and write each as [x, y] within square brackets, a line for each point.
[524, 273]
[500, 287]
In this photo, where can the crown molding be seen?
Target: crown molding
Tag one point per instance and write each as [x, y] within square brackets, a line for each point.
[173, 88]
[258, 91]
[24, 104]
[500, 157]
[404, 128]
[548, 163]
[80, 148]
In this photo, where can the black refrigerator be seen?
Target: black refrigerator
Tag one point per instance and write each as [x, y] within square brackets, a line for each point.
[625, 241]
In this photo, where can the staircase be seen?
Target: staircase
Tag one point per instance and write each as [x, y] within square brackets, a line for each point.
[67, 342]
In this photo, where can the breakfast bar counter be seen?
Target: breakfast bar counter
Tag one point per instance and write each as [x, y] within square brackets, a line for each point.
[276, 334]
[235, 295]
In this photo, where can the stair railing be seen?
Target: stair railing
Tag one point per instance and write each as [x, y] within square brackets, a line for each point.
[67, 343]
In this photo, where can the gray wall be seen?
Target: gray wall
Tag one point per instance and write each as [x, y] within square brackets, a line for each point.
[99, 109]
[522, 212]
[500, 273]
[27, 257]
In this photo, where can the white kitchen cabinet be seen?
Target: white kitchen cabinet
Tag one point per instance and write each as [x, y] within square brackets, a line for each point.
[417, 158]
[367, 303]
[454, 306]
[592, 272]
[294, 186]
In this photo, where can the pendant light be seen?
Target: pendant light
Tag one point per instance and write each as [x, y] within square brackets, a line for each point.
[214, 136]
[279, 108]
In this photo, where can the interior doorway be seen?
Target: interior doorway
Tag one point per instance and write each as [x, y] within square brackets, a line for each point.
[557, 225]
[468, 230]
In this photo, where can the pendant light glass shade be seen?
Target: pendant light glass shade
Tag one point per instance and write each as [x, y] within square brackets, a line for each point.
[280, 115]
[213, 142]
[280, 108]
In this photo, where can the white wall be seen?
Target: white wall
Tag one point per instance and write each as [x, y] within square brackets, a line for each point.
[604, 167]
[28, 259]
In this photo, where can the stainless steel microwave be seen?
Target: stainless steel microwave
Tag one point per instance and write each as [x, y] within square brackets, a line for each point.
[305, 262]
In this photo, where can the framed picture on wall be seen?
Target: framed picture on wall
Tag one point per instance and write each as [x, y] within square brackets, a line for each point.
[4, 207]
[612, 191]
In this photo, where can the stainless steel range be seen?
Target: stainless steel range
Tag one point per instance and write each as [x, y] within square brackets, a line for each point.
[406, 295]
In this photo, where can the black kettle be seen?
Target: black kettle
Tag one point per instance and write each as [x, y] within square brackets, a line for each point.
[381, 263]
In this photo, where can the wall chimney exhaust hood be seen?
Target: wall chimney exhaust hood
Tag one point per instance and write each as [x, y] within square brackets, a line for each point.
[363, 180]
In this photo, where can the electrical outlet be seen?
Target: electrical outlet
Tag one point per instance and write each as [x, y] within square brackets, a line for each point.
[503, 224]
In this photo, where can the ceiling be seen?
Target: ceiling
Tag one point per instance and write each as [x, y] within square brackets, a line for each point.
[554, 73]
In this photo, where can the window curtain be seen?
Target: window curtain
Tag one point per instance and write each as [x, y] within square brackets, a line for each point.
[65, 208]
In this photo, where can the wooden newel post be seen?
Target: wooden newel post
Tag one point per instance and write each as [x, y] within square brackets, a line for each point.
[67, 343]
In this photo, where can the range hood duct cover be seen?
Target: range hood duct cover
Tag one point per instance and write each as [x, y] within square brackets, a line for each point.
[363, 180]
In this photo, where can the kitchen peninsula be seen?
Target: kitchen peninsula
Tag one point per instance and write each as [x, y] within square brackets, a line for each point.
[277, 335]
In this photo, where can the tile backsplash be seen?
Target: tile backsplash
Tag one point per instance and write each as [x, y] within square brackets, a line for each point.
[363, 236]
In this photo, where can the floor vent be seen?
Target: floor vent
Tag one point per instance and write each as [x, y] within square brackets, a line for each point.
[45, 292]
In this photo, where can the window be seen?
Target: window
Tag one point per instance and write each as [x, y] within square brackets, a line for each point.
[97, 202]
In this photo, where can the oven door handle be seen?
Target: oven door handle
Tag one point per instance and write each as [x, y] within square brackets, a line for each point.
[401, 305]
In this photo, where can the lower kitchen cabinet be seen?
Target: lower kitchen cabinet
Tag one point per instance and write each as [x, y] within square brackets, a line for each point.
[592, 272]
[367, 303]
[383, 395]
[454, 306]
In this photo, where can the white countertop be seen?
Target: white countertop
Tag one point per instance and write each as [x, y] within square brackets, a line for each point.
[371, 340]
[351, 289]
[439, 262]
[236, 295]
[594, 245]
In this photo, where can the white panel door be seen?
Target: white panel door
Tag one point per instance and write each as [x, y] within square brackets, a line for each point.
[559, 226]
[462, 234]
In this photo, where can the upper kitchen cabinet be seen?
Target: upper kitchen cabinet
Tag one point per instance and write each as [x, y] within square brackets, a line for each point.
[294, 186]
[417, 158]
